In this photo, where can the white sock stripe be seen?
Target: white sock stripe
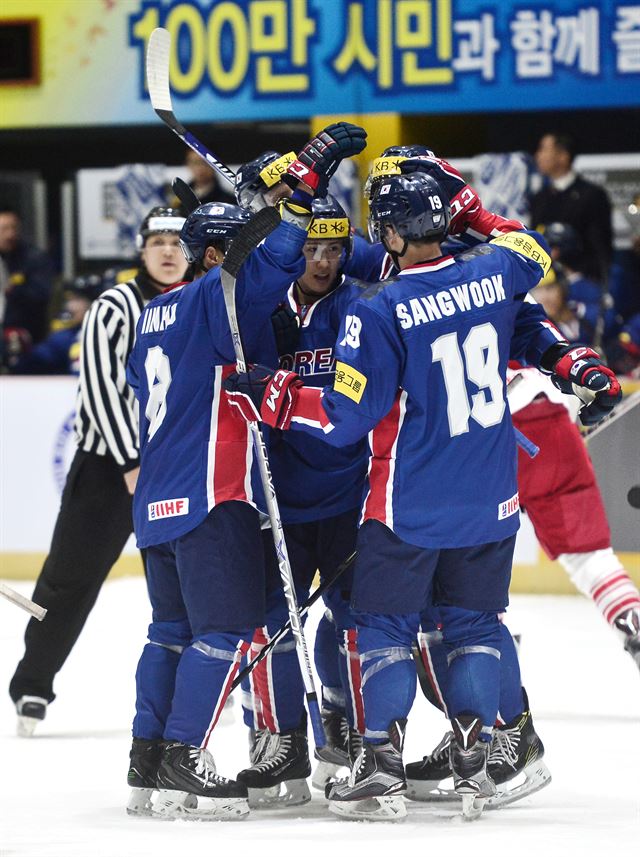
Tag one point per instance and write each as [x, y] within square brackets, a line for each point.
[392, 651]
[623, 590]
[370, 733]
[177, 649]
[211, 652]
[473, 650]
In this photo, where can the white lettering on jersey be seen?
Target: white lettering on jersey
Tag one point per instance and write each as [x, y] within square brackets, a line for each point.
[168, 508]
[448, 302]
[353, 326]
[509, 507]
[158, 318]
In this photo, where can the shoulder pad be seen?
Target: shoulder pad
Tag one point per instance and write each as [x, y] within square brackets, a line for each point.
[474, 252]
[373, 289]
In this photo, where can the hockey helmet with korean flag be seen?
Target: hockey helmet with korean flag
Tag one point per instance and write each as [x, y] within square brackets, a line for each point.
[159, 219]
[388, 164]
[212, 223]
[414, 205]
[255, 178]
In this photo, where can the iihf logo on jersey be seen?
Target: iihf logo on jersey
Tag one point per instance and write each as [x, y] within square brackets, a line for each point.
[509, 507]
[168, 508]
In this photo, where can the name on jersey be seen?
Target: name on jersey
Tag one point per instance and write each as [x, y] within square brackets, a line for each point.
[509, 507]
[158, 318]
[318, 362]
[168, 508]
[449, 301]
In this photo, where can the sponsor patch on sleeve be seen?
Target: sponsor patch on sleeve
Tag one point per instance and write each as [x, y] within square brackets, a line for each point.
[526, 246]
[349, 382]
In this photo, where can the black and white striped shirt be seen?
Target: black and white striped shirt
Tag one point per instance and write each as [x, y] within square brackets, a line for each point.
[106, 408]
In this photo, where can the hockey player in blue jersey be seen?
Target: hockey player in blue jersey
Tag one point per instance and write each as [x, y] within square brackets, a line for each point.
[195, 502]
[421, 366]
[319, 491]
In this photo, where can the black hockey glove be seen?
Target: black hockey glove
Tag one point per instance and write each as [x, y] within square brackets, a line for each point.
[261, 394]
[319, 159]
[286, 329]
[579, 370]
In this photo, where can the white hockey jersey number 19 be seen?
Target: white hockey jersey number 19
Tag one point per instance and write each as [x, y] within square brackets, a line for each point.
[481, 361]
[158, 371]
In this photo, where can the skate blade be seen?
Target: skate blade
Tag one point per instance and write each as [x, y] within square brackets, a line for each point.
[327, 772]
[287, 793]
[537, 776]
[385, 808]
[472, 806]
[27, 726]
[140, 803]
[432, 791]
[173, 804]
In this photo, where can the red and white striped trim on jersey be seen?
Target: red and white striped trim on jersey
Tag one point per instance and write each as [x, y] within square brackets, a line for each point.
[383, 442]
[425, 267]
[309, 410]
[230, 453]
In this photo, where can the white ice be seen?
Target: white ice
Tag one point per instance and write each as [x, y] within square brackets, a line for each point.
[62, 793]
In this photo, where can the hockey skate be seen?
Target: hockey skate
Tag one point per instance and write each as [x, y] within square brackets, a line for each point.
[279, 770]
[426, 779]
[31, 711]
[515, 761]
[187, 774]
[628, 624]
[335, 754]
[468, 756]
[144, 758]
[372, 790]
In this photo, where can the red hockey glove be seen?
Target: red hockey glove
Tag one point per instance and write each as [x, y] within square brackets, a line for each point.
[463, 199]
[319, 159]
[261, 394]
[579, 370]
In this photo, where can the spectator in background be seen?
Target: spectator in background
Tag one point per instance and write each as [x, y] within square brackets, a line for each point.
[59, 354]
[205, 183]
[30, 273]
[569, 198]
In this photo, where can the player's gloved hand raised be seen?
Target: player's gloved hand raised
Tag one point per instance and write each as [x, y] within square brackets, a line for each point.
[580, 371]
[319, 159]
[286, 329]
[262, 394]
[462, 197]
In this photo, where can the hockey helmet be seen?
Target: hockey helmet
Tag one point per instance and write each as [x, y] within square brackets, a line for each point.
[331, 223]
[388, 164]
[564, 238]
[256, 177]
[213, 222]
[89, 286]
[414, 205]
[159, 219]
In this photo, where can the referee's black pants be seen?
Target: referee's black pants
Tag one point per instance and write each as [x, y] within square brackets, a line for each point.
[93, 525]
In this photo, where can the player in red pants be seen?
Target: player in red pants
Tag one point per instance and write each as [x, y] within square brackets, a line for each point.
[560, 494]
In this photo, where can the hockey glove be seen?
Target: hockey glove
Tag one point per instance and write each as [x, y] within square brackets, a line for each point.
[462, 197]
[580, 371]
[319, 159]
[261, 394]
[286, 329]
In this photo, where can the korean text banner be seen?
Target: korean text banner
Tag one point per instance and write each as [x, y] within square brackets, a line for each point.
[291, 59]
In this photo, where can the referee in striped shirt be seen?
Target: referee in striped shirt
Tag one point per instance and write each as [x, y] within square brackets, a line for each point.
[95, 521]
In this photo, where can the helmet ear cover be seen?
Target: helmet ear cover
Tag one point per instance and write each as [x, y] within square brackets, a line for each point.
[413, 205]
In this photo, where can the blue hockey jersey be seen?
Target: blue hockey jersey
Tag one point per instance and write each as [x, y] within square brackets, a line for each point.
[314, 480]
[194, 452]
[421, 368]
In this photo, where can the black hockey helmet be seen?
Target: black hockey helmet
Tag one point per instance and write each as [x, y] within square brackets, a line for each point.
[330, 223]
[388, 164]
[414, 205]
[159, 219]
[89, 286]
[211, 223]
[564, 237]
[256, 177]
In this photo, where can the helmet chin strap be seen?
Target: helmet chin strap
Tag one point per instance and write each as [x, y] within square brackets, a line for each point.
[393, 253]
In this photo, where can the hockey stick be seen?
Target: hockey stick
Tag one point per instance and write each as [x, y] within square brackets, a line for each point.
[240, 248]
[158, 51]
[187, 197]
[304, 609]
[14, 597]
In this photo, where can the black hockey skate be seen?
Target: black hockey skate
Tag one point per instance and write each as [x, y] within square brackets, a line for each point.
[372, 790]
[335, 754]
[425, 779]
[515, 761]
[629, 626]
[278, 775]
[187, 773]
[31, 711]
[144, 759]
[468, 756]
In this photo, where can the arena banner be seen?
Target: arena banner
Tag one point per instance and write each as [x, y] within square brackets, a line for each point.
[291, 59]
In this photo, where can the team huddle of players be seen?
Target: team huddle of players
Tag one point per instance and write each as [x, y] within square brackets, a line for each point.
[377, 370]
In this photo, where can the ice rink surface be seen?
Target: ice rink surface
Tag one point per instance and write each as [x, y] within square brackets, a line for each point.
[62, 793]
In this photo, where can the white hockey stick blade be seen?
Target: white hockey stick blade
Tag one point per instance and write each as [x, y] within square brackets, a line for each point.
[158, 69]
[10, 594]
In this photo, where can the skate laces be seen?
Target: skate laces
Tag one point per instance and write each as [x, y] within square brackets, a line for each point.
[504, 747]
[205, 766]
[275, 753]
[441, 752]
[264, 738]
[359, 763]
